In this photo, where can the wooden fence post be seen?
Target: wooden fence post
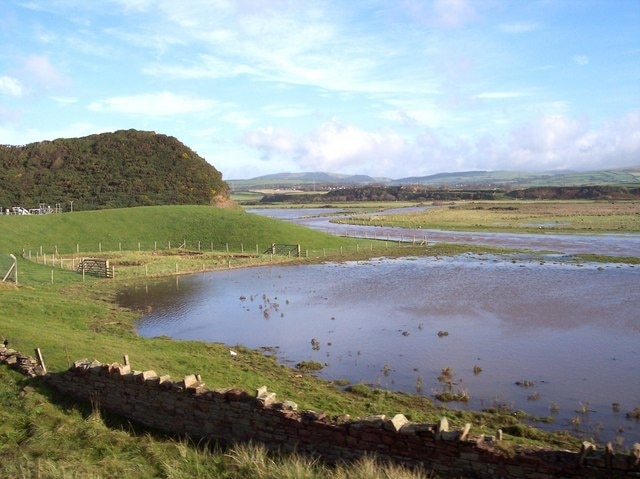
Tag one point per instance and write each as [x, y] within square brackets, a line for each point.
[41, 361]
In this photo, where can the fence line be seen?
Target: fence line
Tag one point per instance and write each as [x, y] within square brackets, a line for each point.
[195, 256]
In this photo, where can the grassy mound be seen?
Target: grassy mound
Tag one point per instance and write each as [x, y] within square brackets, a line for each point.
[153, 226]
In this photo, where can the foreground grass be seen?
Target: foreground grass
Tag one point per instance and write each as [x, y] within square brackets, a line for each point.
[518, 216]
[45, 435]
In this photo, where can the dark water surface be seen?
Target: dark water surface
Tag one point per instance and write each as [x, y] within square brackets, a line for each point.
[571, 330]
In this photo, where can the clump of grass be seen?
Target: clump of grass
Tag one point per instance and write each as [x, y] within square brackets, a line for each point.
[446, 376]
[576, 422]
[635, 414]
[307, 366]
[583, 408]
[521, 430]
[533, 397]
[500, 407]
[361, 390]
[447, 379]
[450, 396]
[256, 462]
[419, 384]
[525, 384]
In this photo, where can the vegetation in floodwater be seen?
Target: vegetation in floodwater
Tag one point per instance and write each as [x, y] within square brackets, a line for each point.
[308, 366]
[525, 384]
[526, 216]
[450, 396]
[634, 414]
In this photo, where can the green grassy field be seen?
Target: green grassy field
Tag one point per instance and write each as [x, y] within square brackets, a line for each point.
[44, 435]
[148, 228]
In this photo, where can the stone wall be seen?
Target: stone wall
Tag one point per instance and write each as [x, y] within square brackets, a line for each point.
[232, 415]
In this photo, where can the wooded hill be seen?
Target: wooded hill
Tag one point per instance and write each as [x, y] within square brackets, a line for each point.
[108, 170]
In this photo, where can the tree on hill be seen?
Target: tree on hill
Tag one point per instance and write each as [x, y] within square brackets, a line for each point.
[108, 170]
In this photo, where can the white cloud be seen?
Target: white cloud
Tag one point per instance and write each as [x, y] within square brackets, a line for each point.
[454, 13]
[518, 27]
[288, 111]
[290, 42]
[238, 119]
[333, 146]
[40, 69]
[271, 142]
[337, 147]
[442, 13]
[547, 143]
[558, 141]
[24, 136]
[499, 95]
[205, 66]
[64, 100]
[153, 104]
[11, 86]
[414, 112]
[581, 60]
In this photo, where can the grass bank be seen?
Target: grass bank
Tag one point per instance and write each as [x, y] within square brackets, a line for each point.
[45, 435]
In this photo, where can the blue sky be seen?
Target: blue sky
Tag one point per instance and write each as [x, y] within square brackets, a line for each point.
[390, 88]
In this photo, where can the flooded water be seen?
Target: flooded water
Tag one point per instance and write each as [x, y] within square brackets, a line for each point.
[569, 332]
[626, 244]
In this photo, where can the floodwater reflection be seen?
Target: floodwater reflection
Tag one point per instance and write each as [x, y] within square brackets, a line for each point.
[571, 330]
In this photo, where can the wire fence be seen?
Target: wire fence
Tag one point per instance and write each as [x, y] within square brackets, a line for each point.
[48, 264]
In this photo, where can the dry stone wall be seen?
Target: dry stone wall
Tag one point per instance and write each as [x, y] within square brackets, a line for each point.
[233, 415]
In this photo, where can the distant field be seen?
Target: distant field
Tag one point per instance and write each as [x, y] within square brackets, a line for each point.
[518, 216]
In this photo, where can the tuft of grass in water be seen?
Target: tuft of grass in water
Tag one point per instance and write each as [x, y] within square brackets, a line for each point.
[309, 366]
[634, 414]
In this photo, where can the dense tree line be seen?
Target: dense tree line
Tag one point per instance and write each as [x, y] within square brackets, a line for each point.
[386, 193]
[587, 192]
[417, 193]
[108, 170]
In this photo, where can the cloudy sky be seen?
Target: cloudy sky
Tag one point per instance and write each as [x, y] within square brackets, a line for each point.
[389, 88]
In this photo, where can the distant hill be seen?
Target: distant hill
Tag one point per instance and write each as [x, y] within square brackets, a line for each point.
[629, 176]
[289, 180]
[108, 170]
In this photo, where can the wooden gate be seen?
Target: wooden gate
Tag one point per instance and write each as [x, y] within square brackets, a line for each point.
[284, 249]
[96, 267]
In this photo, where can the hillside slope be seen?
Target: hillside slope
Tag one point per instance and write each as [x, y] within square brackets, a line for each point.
[108, 170]
[132, 228]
